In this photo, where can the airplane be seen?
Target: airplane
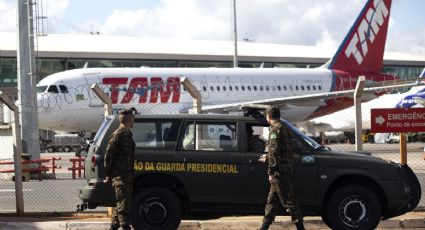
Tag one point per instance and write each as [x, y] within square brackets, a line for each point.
[66, 103]
[344, 120]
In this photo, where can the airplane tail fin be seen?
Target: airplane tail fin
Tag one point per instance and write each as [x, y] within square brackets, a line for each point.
[363, 47]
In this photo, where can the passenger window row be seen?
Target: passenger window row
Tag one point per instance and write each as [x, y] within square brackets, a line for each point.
[263, 88]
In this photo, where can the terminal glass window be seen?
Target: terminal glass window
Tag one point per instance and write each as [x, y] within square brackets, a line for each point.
[156, 134]
[209, 136]
[8, 72]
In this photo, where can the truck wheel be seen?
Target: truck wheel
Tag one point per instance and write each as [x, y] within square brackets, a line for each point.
[353, 207]
[415, 189]
[50, 149]
[67, 149]
[156, 208]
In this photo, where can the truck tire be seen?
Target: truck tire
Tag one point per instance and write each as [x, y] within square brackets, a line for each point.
[67, 149]
[353, 207]
[50, 149]
[415, 189]
[156, 208]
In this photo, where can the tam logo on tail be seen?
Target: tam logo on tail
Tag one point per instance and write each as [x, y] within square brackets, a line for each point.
[363, 47]
[374, 19]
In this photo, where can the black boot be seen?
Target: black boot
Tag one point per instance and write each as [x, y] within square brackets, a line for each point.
[300, 226]
[264, 226]
[114, 227]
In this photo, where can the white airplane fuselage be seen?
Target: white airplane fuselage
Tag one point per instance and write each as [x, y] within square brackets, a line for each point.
[73, 107]
[158, 90]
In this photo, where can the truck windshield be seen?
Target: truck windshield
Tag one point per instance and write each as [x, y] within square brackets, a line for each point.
[307, 139]
[101, 132]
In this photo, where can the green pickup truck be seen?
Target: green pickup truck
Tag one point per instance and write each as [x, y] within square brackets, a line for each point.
[202, 163]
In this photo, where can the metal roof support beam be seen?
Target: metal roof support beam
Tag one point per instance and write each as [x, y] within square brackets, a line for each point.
[17, 150]
[358, 110]
[103, 97]
[194, 92]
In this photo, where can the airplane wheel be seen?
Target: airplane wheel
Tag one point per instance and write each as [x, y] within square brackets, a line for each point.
[75, 149]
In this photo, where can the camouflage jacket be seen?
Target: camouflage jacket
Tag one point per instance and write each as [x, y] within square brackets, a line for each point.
[119, 157]
[280, 156]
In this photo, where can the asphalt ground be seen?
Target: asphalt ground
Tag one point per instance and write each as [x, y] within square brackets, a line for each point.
[412, 220]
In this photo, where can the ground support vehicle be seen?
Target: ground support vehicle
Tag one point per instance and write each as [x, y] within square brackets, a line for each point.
[202, 163]
[64, 143]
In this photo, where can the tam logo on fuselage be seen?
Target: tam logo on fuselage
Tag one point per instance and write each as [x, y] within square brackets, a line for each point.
[368, 29]
[141, 87]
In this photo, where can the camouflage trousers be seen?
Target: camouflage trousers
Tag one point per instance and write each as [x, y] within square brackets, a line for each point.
[123, 193]
[282, 193]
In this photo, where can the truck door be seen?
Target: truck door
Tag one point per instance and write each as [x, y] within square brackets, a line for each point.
[255, 180]
[256, 185]
[210, 154]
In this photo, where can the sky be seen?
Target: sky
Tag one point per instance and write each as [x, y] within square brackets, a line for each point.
[297, 22]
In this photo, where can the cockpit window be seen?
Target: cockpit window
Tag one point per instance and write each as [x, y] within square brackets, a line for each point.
[63, 89]
[41, 89]
[53, 89]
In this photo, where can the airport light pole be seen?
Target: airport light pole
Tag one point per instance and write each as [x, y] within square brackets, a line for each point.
[235, 37]
[27, 79]
[17, 150]
[358, 110]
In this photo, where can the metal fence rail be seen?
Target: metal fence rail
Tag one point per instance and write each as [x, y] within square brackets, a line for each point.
[58, 191]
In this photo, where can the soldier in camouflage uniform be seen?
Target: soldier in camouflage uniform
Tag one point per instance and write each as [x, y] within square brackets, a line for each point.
[280, 171]
[119, 161]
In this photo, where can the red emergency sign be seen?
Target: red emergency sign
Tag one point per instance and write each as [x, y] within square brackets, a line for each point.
[397, 120]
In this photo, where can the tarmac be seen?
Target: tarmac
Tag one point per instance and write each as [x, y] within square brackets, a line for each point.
[100, 221]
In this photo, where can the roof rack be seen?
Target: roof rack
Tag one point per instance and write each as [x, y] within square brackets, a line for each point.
[254, 111]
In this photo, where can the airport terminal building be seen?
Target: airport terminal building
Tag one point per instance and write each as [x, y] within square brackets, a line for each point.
[59, 52]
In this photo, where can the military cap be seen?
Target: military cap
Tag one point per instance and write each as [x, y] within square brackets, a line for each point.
[273, 111]
[130, 111]
[127, 112]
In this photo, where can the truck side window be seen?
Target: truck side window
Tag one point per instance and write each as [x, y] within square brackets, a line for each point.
[298, 146]
[255, 138]
[206, 136]
[156, 134]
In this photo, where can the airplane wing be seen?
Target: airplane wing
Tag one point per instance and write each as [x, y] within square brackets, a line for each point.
[311, 99]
